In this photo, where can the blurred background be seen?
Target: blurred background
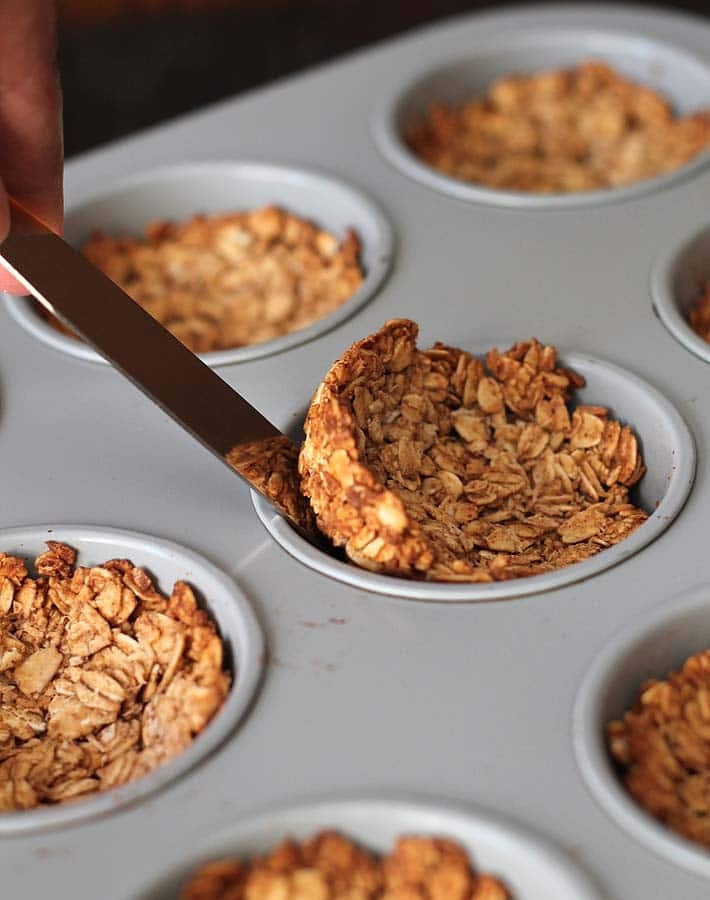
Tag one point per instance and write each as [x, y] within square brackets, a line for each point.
[127, 64]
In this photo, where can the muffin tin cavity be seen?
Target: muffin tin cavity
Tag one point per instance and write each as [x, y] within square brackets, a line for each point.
[679, 278]
[669, 453]
[681, 78]
[648, 649]
[166, 563]
[532, 868]
[177, 193]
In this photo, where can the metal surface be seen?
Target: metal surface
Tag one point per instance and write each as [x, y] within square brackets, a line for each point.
[364, 695]
[84, 299]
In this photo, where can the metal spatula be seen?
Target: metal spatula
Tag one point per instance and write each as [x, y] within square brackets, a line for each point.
[82, 297]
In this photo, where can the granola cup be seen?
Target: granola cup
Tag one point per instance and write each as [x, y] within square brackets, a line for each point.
[641, 729]
[528, 865]
[110, 688]
[428, 464]
[680, 290]
[242, 260]
[637, 125]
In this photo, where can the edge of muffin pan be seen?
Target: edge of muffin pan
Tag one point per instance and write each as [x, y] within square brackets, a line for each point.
[530, 866]
[681, 77]
[678, 279]
[669, 453]
[178, 192]
[650, 648]
[237, 625]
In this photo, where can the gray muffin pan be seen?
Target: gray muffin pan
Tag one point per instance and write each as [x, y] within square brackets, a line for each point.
[367, 696]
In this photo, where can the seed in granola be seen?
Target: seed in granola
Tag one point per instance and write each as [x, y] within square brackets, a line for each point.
[329, 866]
[662, 748]
[561, 131]
[234, 279]
[102, 678]
[431, 464]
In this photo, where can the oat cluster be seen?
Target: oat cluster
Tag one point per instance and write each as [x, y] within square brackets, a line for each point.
[430, 464]
[662, 746]
[330, 867]
[229, 280]
[102, 678]
[699, 315]
[582, 129]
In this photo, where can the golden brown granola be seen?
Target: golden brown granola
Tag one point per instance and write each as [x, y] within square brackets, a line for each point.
[102, 678]
[662, 746]
[428, 464]
[330, 867]
[229, 280]
[699, 315]
[560, 131]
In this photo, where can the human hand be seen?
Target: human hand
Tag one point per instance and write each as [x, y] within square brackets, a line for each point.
[30, 117]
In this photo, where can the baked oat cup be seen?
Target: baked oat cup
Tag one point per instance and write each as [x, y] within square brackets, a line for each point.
[88, 759]
[680, 279]
[285, 201]
[532, 868]
[426, 465]
[680, 78]
[672, 777]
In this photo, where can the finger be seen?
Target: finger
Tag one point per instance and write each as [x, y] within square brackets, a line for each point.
[30, 114]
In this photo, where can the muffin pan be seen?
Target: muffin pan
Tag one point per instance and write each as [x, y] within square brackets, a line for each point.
[367, 693]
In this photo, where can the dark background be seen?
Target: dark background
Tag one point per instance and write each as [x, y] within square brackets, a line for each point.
[127, 64]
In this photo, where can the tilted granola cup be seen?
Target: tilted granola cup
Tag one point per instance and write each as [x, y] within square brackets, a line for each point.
[680, 277]
[178, 193]
[649, 648]
[165, 563]
[433, 425]
[531, 867]
[676, 74]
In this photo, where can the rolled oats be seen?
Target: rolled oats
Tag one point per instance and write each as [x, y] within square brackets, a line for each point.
[699, 317]
[560, 131]
[662, 748]
[229, 280]
[430, 464]
[330, 867]
[101, 677]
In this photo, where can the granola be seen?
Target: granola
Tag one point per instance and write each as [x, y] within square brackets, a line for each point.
[699, 315]
[560, 131]
[102, 678]
[430, 464]
[330, 867]
[662, 748]
[229, 280]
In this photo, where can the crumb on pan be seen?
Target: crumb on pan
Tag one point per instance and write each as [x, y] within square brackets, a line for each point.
[331, 867]
[430, 464]
[102, 678]
[560, 131]
[699, 315]
[662, 748]
[224, 281]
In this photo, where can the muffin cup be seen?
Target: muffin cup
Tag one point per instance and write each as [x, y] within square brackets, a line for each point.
[166, 562]
[669, 454]
[532, 868]
[648, 649]
[682, 78]
[182, 191]
[678, 280]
